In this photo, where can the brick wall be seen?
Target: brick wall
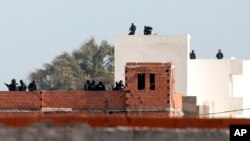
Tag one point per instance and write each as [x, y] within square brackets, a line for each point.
[117, 100]
[20, 100]
[74, 99]
[163, 96]
[82, 100]
[85, 100]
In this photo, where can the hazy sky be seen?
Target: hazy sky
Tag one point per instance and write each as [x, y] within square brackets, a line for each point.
[33, 32]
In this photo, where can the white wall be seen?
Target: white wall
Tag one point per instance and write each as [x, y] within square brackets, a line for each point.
[241, 87]
[212, 82]
[153, 48]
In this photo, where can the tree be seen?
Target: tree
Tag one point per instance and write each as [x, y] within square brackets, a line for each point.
[70, 71]
[96, 61]
[63, 73]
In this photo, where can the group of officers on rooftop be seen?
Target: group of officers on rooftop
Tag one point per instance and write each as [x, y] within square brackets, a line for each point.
[219, 55]
[13, 86]
[147, 30]
[88, 86]
[92, 86]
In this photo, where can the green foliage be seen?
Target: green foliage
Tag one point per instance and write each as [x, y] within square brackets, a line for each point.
[70, 71]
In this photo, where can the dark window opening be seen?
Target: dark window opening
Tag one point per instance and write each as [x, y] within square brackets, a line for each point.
[152, 81]
[141, 81]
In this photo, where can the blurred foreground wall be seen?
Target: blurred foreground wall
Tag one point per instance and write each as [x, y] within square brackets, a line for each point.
[45, 131]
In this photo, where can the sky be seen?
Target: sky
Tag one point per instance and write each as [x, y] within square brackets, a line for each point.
[34, 32]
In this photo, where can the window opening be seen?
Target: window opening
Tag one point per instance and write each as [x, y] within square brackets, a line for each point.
[152, 81]
[141, 81]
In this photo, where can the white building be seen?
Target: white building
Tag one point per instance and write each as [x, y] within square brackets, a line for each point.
[212, 81]
[155, 48]
[220, 84]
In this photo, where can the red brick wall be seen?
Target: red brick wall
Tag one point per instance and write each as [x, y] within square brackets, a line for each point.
[146, 100]
[87, 100]
[164, 94]
[20, 100]
[73, 99]
[117, 100]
